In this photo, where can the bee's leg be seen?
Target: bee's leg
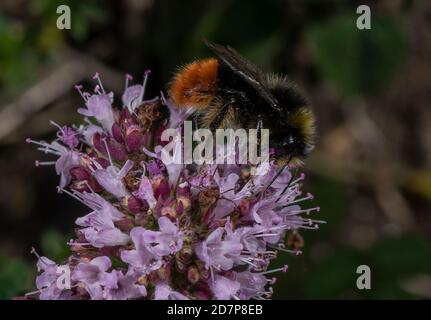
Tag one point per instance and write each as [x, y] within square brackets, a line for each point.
[273, 179]
[215, 124]
[293, 175]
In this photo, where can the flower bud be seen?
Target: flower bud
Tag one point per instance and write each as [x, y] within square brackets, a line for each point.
[125, 225]
[134, 139]
[169, 212]
[203, 294]
[143, 219]
[185, 202]
[143, 280]
[193, 274]
[132, 204]
[295, 240]
[185, 254]
[116, 133]
[160, 186]
[164, 272]
[79, 173]
[131, 182]
[115, 149]
[181, 267]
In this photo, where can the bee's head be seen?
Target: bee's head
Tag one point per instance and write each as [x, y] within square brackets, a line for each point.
[295, 136]
[294, 132]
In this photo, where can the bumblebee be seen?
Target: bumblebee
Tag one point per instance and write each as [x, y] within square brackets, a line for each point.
[231, 92]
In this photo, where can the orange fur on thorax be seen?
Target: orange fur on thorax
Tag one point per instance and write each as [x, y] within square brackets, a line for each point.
[194, 85]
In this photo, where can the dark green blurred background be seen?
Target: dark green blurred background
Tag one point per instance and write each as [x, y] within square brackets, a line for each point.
[371, 91]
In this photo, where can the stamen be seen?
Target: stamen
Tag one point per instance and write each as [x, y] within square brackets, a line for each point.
[286, 197]
[33, 251]
[301, 177]
[52, 148]
[88, 186]
[38, 163]
[107, 151]
[79, 87]
[248, 262]
[32, 293]
[72, 194]
[94, 163]
[266, 235]
[315, 227]
[283, 269]
[144, 84]
[57, 125]
[291, 185]
[71, 243]
[267, 253]
[126, 81]
[97, 77]
[97, 89]
[152, 100]
[272, 281]
[311, 221]
[163, 97]
[279, 247]
[308, 197]
[297, 212]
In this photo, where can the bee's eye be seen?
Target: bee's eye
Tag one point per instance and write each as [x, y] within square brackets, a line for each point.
[289, 141]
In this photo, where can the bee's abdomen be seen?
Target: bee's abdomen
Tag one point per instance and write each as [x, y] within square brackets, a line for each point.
[194, 85]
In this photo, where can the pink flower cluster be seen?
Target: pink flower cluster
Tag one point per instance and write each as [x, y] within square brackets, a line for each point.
[157, 231]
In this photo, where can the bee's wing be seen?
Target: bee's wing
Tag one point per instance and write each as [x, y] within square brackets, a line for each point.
[244, 68]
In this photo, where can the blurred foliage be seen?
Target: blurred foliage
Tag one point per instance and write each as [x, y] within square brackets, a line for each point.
[54, 245]
[421, 183]
[328, 270]
[29, 42]
[391, 260]
[15, 275]
[332, 198]
[83, 15]
[258, 36]
[356, 62]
